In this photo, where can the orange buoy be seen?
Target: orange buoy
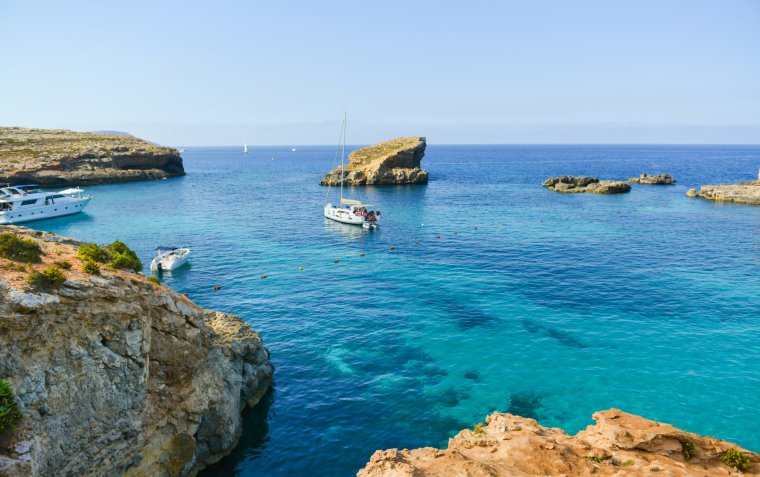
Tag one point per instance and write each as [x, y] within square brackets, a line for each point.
[392, 247]
[361, 254]
[217, 287]
[263, 276]
[336, 261]
[438, 236]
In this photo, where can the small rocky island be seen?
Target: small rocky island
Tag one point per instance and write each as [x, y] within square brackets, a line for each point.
[57, 157]
[658, 179]
[742, 193]
[573, 184]
[391, 162]
[618, 444]
[111, 373]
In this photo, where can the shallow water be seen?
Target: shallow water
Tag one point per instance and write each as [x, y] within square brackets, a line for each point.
[515, 299]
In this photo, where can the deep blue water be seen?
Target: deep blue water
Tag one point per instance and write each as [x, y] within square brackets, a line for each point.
[548, 305]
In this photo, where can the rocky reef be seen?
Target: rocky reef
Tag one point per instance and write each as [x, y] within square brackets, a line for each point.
[117, 375]
[391, 162]
[572, 184]
[659, 179]
[53, 157]
[618, 444]
[743, 192]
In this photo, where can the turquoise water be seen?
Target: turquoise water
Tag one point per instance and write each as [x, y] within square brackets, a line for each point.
[499, 294]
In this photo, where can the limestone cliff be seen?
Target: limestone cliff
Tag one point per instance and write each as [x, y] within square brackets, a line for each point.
[618, 444]
[742, 193]
[573, 184]
[119, 376]
[391, 162]
[55, 157]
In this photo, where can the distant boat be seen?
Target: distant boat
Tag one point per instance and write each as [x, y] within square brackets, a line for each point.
[293, 150]
[181, 150]
[354, 213]
[169, 258]
[245, 148]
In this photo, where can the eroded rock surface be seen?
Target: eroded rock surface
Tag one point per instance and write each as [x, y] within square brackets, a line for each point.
[573, 184]
[659, 179]
[54, 157]
[743, 192]
[391, 162]
[119, 376]
[618, 444]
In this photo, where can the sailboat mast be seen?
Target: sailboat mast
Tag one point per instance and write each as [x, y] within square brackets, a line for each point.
[342, 156]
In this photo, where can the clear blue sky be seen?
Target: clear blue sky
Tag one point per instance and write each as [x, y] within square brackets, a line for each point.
[282, 72]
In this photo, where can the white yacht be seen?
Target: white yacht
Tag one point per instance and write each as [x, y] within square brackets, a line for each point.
[24, 203]
[350, 211]
[169, 258]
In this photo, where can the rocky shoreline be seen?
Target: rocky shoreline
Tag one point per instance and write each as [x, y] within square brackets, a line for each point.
[618, 444]
[658, 179]
[573, 184]
[741, 193]
[116, 375]
[57, 157]
[391, 162]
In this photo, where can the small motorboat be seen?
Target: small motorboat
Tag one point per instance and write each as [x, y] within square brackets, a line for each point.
[169, 258]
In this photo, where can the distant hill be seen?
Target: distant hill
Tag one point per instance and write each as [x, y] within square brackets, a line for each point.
[118, 133]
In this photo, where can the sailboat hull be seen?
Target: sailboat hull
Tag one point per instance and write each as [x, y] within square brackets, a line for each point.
[344, 216]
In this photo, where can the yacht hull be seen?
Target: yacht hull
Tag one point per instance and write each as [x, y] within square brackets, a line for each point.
[343, 216]
[29, 214]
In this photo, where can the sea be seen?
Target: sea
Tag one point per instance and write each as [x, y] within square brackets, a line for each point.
[481, 291]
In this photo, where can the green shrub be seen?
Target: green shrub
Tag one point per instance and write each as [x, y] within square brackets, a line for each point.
[63, 264]
[655, 469]
[155, 280]
[19, 249]
[50, 277]
[689, 449]
[736, 458]
[628, 463]
[9, 411]
[89, 266]
[479, 429]
[116, 255]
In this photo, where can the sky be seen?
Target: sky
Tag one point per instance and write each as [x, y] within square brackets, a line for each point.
[283, 72]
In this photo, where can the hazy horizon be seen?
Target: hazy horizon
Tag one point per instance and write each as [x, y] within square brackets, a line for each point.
[548, 72]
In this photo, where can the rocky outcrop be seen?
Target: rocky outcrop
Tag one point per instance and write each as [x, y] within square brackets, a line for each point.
[391, 162]
[743, 192]
[659, 179]
[618, 444]
[571, 184]
[53, 157]
[119, 376]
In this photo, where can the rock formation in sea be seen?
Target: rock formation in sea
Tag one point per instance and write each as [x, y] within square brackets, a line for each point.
[54, 157]
[742, 192]
[391, 162]
[659, 179]
[572, 184]
[116, 375]
[618, 444]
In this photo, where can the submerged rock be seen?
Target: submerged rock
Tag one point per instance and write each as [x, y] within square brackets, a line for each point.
[743, 192]
[118, 376]
[659, 179]
[391, 162]
[572, 184]
[52, 157]
[618, 444]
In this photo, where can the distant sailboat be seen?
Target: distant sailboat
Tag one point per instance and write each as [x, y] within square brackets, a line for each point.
[293, 150]
[245, 148]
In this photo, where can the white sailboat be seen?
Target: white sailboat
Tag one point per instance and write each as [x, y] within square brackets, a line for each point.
[350, 211]
[245, 148]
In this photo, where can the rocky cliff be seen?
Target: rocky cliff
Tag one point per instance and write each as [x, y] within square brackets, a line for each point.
[391, 162]
[60, 157]
[743, 192]
[116, 375]
[572, 184]
[618, 444]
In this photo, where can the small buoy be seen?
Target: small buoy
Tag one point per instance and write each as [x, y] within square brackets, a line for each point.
[455, 233]
[336, 261]
[392, 247]
[501, 226]
[263, 276]
[300, 269]
[217, 287]
[417, 242]
[361, 254]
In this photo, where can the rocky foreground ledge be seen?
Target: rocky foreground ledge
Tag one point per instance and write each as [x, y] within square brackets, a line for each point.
[618, 444]
[115, 375]
[573, 184]
[391, 162]
[742, 193]
[53, 157]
